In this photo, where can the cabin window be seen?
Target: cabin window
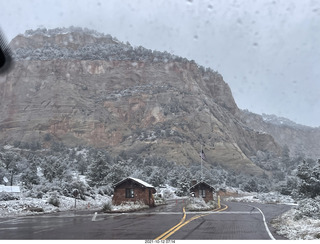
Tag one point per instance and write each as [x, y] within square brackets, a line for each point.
[129, 193]
[202, 193]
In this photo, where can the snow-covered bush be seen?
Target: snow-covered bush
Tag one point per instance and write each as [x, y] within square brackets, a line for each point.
[308, 207]
[129, 206]
[105, 190]
[75, 184]
[302, 229]
[123, 207]
[168, 192]
[159, 200]
[107, 207]
[198, 204]
[5, 196]
[33, 193]
[54, 199]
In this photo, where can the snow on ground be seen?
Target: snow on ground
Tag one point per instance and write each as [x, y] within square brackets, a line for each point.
[198, 204]
[128, 207]
[167, 192]
[303, 229]
[32, 206]
[269, 197]
[25, 205]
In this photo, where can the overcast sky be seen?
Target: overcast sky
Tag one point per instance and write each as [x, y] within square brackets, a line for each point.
[267, 50]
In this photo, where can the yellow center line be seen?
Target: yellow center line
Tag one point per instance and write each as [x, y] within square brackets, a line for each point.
[181, 221]
[225, 208]
[175, 228]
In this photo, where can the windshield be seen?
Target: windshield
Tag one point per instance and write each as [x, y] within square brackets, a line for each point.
[159, 120]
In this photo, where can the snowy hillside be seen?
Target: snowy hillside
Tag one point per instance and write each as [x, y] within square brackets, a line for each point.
[81, 44]
[276, 120]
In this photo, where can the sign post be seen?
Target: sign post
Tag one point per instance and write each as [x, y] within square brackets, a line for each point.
[75, 193]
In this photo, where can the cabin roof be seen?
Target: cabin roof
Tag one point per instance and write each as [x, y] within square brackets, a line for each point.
[202, 183]
[140, 182]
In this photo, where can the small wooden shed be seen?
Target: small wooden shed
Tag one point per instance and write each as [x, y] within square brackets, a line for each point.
[133, 190]
[203, 190]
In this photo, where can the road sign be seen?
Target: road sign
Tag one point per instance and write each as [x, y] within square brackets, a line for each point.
[75, 193]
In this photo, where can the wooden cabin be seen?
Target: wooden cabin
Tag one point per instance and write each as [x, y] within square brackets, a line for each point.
[133, 190]
[203, 190]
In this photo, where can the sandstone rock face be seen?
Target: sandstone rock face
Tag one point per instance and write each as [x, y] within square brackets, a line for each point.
[167, 108]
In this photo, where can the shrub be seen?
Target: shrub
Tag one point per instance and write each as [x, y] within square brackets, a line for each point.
[5, 196]
[308, 208]
[198, 204]
[54, 200]
[107, 207]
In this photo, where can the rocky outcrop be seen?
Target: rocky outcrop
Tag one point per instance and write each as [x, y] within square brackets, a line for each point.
[144, 104]
[297, 140]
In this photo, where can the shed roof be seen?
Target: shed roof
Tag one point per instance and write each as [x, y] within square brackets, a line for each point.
[140, 182]
[202, 183]
[11, 189]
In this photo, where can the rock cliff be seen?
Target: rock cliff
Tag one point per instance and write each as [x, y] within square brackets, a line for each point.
[84, 88]
[297, 140]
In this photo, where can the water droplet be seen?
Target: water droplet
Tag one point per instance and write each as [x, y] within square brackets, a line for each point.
[195, 37]
[210, 7]
[189, 1]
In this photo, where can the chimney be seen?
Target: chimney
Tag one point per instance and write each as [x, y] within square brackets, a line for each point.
[193, 182]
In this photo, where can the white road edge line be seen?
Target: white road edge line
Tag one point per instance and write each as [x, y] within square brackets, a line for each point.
[94, 216]
[264, 221]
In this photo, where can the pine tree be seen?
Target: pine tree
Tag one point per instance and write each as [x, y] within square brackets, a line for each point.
[98, 170]
[29, 174]
[56, 168]
[9, 161]
[309, 179]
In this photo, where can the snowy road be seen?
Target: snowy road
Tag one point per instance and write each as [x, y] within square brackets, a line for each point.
[241, 221]
[238, 221]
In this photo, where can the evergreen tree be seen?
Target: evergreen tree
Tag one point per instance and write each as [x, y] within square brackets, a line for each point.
[98, 170]
[251, 186]
[184, 183]
[9, 161]
[117, 172]
[157, 177]
[309, 179]
[82, 164]
[29, 174]
[56, 168]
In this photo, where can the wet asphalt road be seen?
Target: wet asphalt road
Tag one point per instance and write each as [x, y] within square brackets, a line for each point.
[239, 221]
